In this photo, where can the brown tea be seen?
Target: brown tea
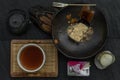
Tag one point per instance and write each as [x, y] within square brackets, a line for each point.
[31, 57]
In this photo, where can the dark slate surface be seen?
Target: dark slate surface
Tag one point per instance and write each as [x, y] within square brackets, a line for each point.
[111, 10]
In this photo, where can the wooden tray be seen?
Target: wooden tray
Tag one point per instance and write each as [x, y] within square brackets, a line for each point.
[50, 69]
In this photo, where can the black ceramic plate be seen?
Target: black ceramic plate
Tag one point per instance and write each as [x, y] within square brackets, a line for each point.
[79, 50]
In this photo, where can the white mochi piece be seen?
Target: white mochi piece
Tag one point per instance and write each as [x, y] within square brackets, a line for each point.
[106, 59]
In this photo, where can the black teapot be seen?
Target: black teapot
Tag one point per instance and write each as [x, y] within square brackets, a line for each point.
[18, 21]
